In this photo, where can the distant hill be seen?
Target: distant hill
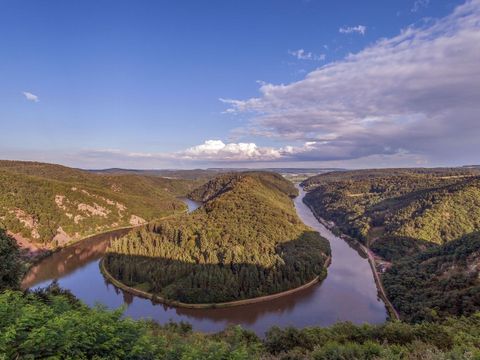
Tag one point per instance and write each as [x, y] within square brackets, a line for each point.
[245, 241]
[195, 174]
[46, 205]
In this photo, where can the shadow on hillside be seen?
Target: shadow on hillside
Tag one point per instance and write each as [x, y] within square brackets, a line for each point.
[393, 248]
[302, 260]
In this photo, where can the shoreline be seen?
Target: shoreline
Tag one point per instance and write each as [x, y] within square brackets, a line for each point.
[175, 303]
[34, 261]
[392, 312]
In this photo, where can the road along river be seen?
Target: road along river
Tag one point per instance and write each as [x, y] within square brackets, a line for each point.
[348, 293]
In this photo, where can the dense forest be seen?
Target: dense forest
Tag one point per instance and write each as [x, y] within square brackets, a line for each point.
[424, 221]
[245, 241]
[52, 205]
[10, 265]
[440, 282]
[195, 174]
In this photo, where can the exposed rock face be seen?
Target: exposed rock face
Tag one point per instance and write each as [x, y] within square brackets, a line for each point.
[136, 220]
[61, 238]
[93, 210]
[28, 221]
[59, 200]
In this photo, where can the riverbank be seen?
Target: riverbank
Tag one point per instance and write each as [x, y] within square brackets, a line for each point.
[30, 261]
[159, 299]
[392, 312]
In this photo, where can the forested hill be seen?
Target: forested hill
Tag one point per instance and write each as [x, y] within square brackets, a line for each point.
[435, 206]
[226, 182]
[246, 241]
[381, 175]
[440, 282]
[425, 222]
[45, 205]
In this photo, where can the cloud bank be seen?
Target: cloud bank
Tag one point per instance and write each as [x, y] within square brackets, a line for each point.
[417, 93]
[211, 151]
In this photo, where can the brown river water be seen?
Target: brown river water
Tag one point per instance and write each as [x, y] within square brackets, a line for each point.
[348, 293]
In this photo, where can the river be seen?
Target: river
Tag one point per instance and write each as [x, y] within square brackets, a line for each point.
[348, 293]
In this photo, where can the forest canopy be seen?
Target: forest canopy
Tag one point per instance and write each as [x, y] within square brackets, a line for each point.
[437, 283]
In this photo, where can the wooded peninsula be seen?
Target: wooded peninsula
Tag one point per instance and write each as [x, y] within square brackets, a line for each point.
[245, 241]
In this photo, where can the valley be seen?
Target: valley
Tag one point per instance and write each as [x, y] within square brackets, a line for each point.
[344, 295]
[306, 271]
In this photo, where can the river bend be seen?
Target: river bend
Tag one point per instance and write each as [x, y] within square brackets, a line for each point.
[348, 293]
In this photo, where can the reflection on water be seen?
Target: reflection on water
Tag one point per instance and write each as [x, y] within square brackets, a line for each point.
[191, 204]
[348, 292]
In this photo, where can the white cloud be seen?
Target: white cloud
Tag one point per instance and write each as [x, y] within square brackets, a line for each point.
[30, 97]
[217, 150]
[419, 4]
[360, 29]
[418, 93]
[209, 151]
[301, 54]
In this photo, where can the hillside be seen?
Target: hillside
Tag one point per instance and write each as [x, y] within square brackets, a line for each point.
[246, 241]
[45, 205]
[226, 182]
[440, 282]
[371, 204]
[423, 228]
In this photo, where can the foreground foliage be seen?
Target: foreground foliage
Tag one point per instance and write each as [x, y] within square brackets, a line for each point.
[246, 241]
[10, 265]
[53, 324]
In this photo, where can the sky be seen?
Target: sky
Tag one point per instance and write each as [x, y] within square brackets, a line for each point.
[251, 83]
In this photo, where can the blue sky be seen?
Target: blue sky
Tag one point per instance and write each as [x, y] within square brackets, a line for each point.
[156, 84]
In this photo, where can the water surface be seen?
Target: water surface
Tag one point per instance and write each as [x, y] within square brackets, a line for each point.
[348, 293]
